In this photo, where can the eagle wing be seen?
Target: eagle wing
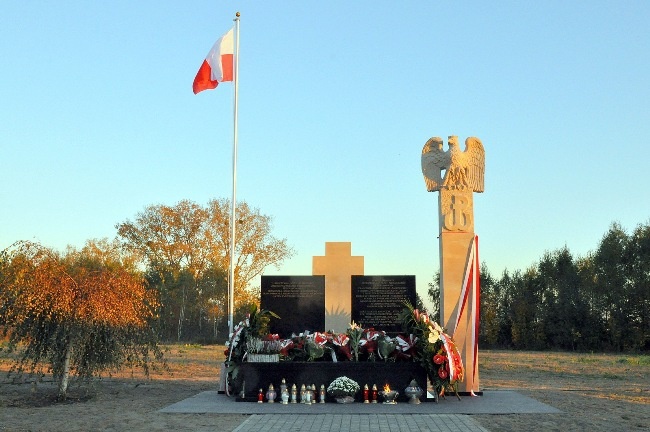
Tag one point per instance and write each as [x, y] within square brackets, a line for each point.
[434, 160]
[475, 157]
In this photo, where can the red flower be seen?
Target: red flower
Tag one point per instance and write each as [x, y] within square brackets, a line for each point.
[340, 339]
[287, 346]
[372, 334]
[406, 343]
[438, 359]
[320, 338]
[442, 373]
[345, 350]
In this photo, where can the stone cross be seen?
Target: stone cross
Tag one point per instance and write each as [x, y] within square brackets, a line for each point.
[456, 175]
[338, 266]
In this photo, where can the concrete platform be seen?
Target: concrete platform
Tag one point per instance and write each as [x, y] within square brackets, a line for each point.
[448, 415]
[492, 402]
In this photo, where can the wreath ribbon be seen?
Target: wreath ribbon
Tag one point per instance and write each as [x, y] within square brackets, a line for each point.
[471, 287]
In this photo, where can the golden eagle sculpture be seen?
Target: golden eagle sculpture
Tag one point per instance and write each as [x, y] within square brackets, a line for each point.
[463, 170]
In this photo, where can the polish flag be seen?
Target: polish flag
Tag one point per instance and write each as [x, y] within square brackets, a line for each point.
[217, 66]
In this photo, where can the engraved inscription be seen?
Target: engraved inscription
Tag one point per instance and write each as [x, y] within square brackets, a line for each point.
[298, 300]
[378, 300]
[293, 289]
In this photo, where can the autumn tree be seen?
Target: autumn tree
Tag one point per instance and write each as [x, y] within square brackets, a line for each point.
[185, 245]
[80, 313]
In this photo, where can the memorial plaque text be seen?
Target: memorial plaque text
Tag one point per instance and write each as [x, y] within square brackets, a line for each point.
[299, 301]
[378, 300]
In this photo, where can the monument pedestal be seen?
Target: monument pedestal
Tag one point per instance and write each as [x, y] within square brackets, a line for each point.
[398, 375]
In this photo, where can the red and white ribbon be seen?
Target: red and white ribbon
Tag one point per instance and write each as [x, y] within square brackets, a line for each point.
[471, 287]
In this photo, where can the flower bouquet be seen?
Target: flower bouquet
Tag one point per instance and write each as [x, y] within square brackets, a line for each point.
[254, 326]
[433, 348]
[343, 389]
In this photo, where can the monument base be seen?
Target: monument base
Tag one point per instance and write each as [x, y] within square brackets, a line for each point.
[255, 376]
[452, 394]
[463, 393]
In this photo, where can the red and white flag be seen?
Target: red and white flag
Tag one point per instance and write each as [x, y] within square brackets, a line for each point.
[218, 64]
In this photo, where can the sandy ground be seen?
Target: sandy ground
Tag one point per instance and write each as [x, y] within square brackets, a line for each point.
[595, 392]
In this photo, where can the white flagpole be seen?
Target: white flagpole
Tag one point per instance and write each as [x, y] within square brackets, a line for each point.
[233, 221]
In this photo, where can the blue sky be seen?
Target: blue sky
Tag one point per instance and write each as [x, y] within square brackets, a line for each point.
[98, 121]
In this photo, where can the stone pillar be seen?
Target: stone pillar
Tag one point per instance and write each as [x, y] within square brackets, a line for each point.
[456, 236]
[456, 175]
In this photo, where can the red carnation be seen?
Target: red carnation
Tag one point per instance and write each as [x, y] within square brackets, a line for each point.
[438, 359]
[442, 373]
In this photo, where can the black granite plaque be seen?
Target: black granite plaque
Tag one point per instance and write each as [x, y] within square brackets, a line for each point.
[298, 300]
[378, 300]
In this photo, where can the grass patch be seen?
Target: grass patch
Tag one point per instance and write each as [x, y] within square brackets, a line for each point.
[587, 360]
[640, 360]
[192, 346]
[609, 375]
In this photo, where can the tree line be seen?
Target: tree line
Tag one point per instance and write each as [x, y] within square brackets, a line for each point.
[599, 302]
[181, 253]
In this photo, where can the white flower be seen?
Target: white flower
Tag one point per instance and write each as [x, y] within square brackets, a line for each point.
[343, 384]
